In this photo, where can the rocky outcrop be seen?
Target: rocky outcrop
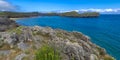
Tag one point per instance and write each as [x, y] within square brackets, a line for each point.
[24, 41]
[20, 57]
[6, 23]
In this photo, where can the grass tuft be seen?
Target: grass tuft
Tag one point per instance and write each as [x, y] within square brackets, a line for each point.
[47, 53]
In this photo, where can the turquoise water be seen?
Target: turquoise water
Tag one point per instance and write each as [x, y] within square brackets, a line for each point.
[104, 31]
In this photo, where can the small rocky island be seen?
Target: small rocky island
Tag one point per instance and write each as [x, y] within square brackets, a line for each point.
[45, 43]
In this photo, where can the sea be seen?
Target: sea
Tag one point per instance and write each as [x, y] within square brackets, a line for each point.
[103, 31]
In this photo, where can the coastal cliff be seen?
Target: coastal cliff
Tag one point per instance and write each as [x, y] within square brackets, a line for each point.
[26, 43]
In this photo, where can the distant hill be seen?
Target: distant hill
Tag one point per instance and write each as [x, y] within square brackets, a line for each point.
[19, 14]
[73, 14]
[76, 14]
[65, 14]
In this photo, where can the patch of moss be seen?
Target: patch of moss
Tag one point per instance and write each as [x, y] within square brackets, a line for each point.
[40, 33]
[108, 58]
[17, 30]
[33, 47]
[25, 58]
[73, 41]
[27, 52]
[59, 34]
[101, 51]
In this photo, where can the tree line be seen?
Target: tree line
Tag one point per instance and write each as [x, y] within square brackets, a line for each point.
[18, 14]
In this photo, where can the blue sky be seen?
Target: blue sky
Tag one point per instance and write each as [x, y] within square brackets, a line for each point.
[64, 5]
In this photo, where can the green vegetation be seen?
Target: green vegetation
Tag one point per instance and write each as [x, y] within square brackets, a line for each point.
[27, 52]
[103, 54]
[101, 51]
[71, 14]
[108, 58]
[18, 14]
[47, 53]
[26, 58]
[17, 30]
[49, 14]
[31, 14]
[76, 14]
[59, 34]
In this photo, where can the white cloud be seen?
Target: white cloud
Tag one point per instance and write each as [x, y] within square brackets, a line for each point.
[108, 10]
[100, 10]
[6, 6]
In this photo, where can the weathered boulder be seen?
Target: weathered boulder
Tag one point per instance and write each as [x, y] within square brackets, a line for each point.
[23, 46]
[4, 52]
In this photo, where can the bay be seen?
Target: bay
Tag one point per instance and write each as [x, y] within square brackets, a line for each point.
[104, 30]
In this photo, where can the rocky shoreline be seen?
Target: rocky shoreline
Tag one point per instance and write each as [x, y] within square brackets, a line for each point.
[21, 43]
[22, 39]
[6, 23]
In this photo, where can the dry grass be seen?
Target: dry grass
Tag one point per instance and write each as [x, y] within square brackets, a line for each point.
[5, 47]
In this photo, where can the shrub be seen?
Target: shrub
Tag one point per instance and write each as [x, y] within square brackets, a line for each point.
[47, 53]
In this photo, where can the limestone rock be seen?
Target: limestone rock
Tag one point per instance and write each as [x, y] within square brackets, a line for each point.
[72, 45]
[20, 57]
[23, 46]
[5, 52]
